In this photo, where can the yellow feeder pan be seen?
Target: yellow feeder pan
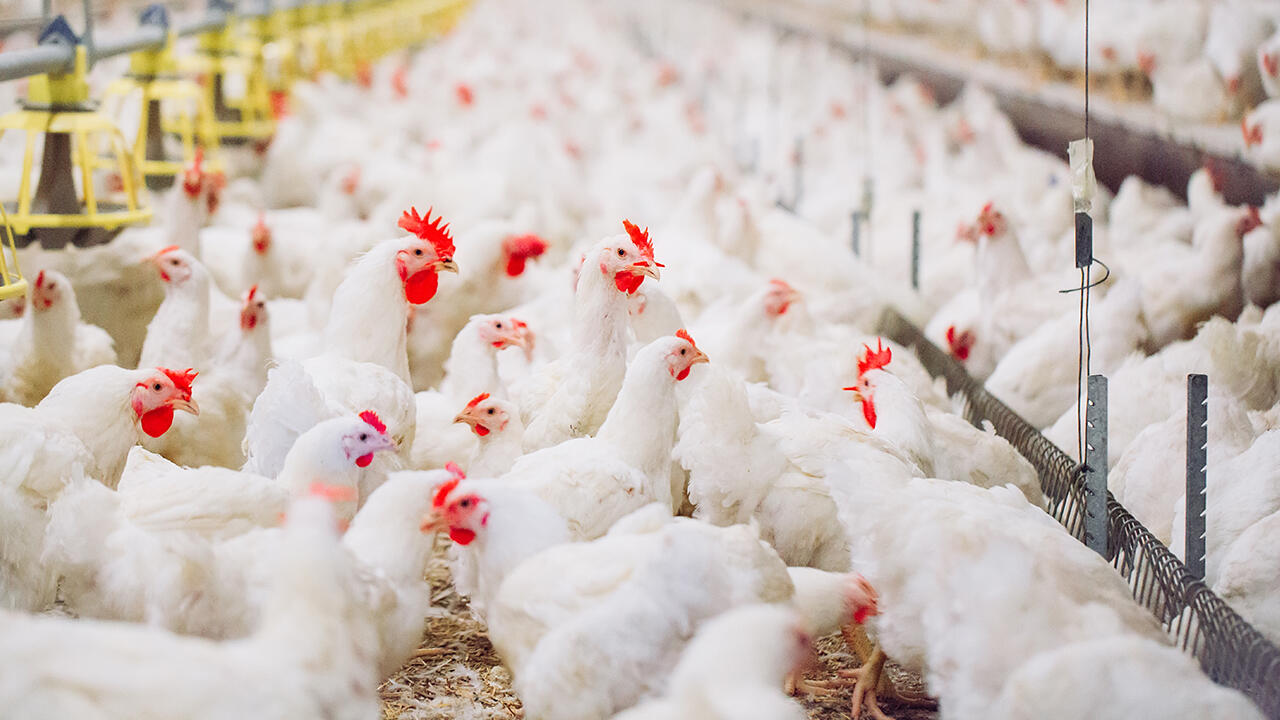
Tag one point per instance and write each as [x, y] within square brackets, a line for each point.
[273, 35]
[171, 110]
[314, 56]
[70, 202]
[12, 284]
[231, 74]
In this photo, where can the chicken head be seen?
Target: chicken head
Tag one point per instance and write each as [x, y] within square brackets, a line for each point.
[485, 414]
[863, 391]
[366, 438]
[174, 264]
[501, 331]
[252, 310]
[153, 400]
[630, 259]
[427, 253]
[684, 354]
[47, 290]
[518, 249]
[261, 235]
[463, 511]
[780, 297]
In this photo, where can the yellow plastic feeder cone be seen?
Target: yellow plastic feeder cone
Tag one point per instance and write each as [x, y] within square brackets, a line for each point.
[12, 284]
[68, 192]
[172, 115]
[231, 74]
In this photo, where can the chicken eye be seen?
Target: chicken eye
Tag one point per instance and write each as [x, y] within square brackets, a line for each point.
[364, 436]
[490, 411]
[497, 326]
[465, 503]
[622, 253]
[418, 252]
[684, 351]
[156, 387]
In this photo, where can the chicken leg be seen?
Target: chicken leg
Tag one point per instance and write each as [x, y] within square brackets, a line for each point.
[870, 682]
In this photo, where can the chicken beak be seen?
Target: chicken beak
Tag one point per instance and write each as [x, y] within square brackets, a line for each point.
[432, 522]
[463, 417]
[447, 265]
[186, 405]
[699, 357]
[644, 267]
[857, 393]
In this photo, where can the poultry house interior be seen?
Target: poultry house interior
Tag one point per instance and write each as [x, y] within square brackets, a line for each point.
[684, 359]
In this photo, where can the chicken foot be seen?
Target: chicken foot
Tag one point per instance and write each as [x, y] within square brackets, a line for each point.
[870, 682]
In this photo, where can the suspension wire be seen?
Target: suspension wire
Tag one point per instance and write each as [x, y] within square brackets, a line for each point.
[1086, 276]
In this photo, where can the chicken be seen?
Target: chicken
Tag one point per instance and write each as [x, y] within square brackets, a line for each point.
[1261, 131]
[737, 474]
[1212, 267]
[225, 394]
[147, 552]
[499, 434]
[472, 368]
[312, 654]
[1269, 65]
[1231, 43]
[182, 333]
[592, 482]
[571, 397]
[190, 203]
[1133, 677]
[733, 668]
[615, 623]
[51, 343]
[365, 364]
[1247, 576]
[81, 429]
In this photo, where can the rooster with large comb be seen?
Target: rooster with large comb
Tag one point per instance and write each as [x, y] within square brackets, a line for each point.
[570, 397]
[364, 363]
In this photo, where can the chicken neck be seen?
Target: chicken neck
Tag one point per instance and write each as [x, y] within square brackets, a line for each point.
[369, 315]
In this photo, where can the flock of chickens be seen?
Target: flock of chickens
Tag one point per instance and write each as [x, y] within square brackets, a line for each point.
[643, 402]
[1206, 61]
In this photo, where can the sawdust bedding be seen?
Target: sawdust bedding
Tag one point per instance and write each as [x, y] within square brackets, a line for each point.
[458, 675]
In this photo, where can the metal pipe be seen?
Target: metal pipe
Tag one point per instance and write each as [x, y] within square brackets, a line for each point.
[148, 37]
[17, 64]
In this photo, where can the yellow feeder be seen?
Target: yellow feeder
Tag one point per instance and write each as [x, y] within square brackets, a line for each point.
[273, 35]
[230, 70]
[172, 110]
[12, 284]
[70, 202]
[314, 56]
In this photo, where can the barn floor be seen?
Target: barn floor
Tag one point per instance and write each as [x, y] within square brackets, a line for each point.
[459, 676]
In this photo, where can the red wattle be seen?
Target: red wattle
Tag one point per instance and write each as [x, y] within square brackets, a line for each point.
[627, 283]
[481, 430]
[364, 460]
[156, 422]
[515, 265]
[861, 614]
[684, 373]
[869, 412]
[420, 286]
[462, 536]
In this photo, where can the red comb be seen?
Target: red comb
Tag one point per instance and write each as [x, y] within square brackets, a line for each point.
[40, 279]
[684, 335]
[430, 230]
[399, 81]
[198, 161]
[525, 245]
[780, 284]
[374, 421]
[463, 91]
[477, 400]
[642, 241]
[168, 249]
[181, 378]
[874, 360]
[453, 468]
[332, 493]
[442, 492]
[252, 292]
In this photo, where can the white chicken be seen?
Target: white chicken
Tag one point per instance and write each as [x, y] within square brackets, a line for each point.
[52, 343]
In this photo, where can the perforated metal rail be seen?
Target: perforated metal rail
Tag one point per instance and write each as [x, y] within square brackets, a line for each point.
[1229, 650]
